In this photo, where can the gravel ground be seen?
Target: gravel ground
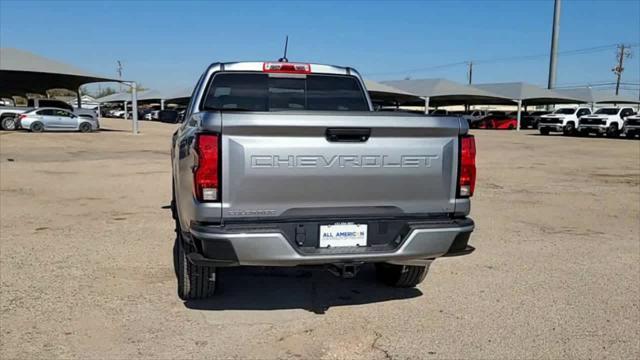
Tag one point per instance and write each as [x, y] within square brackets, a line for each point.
[86, 269]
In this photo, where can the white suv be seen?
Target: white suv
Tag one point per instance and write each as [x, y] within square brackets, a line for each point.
[563, 120]
[608, 121]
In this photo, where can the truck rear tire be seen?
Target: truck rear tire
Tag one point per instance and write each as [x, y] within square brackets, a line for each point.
[194, 282]
[8, 123]
[401, 275]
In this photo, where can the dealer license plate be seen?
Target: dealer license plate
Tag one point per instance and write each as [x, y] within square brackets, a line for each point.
[343, 235]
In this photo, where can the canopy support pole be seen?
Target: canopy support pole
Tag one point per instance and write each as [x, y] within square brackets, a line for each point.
[519, 113]
[426, 105]
[99, 111]
[161, 104]
[79, 99]
[125, 116]
[134, 104]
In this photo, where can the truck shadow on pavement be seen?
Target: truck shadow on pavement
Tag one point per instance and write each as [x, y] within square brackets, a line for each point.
[314, 290]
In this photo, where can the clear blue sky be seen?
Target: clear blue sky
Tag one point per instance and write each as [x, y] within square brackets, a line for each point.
[166, 44]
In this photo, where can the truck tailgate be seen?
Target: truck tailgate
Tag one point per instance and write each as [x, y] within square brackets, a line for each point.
[287, 165]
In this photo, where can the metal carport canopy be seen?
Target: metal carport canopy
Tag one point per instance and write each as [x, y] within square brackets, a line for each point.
[590, 96]
[385, 93]
[117, 97]
[180, 95]
[126, 96]
[23, 72]
[527, 94]
[442, 92]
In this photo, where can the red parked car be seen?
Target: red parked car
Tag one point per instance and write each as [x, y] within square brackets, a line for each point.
[498, 120]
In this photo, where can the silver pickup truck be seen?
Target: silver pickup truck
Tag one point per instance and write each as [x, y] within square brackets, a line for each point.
[286, 164]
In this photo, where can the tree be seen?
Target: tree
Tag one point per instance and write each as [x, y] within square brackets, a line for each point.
[139, 87]
[104, 92]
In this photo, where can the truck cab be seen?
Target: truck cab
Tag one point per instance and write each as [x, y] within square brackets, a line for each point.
[608, 121]
[564, 120]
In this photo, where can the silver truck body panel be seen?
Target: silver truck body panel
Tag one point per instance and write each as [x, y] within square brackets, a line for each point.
[281, 166]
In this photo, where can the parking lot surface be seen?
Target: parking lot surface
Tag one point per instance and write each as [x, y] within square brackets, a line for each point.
[86, 262]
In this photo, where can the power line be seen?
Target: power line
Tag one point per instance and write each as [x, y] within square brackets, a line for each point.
[436, 67]
[582, 51]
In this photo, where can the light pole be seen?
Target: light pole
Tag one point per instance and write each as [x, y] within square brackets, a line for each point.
[555, 33]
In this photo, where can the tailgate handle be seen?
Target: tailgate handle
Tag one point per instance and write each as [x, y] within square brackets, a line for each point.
[348, 134]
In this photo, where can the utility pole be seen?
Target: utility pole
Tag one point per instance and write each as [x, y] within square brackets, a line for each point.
[470, 78]
[623, 52]
[555, 33]
[119, 72]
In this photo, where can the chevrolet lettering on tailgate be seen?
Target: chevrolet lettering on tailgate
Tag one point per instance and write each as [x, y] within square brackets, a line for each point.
[342, 161]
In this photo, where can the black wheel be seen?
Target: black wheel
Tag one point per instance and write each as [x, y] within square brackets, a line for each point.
[583, 133]
[85, 127]
[569, 129]
[8, 123]
[36, 127]
[194, 282]
[511, 127]
[401, 275]
[612, 131]
[544, 131]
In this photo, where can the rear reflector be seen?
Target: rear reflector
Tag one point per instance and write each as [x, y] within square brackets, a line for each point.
[283, 67]
[206, 177]
[467, 176]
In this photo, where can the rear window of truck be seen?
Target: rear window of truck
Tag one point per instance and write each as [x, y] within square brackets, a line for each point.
[269, 92]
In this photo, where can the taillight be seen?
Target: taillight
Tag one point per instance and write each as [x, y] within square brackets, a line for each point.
[206, 175]
[467, 175]
[285, 67]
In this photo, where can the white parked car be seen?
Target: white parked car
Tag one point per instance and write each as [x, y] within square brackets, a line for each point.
[563, 120]
[53, 119]
[9, 114]
[475, 116]
[609, 121]
[117, 113]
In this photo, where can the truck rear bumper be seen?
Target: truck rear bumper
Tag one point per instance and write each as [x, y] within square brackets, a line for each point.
[257, 245]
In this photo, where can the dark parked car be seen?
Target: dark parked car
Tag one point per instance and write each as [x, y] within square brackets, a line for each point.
[530, 121]
[168, 116]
